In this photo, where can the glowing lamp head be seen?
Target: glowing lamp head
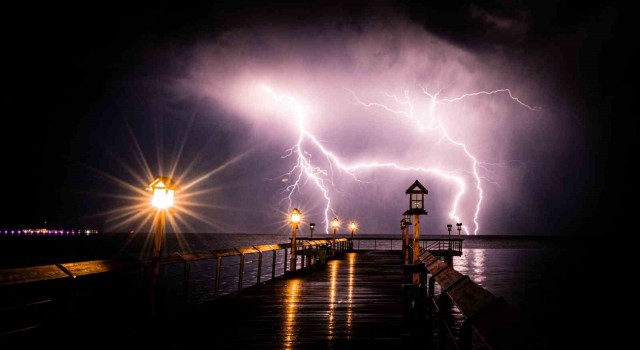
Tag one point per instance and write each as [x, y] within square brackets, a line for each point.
[416, 194]
[335, 223]
[163, 189]
[459, 225]
[353, 226]
[312, 226]
[449, 227]
[406, 216]
[296, 215]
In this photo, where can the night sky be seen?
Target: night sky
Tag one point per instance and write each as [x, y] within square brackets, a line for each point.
[89, 88]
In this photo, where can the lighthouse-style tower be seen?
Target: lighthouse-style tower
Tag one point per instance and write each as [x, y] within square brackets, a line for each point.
[416, 194]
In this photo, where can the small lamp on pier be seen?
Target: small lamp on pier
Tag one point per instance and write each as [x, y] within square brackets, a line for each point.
[459, 227]
[449, 229]
[335, 223]
[295, 217]
[311, 227]
[352, 227]
[406, 216]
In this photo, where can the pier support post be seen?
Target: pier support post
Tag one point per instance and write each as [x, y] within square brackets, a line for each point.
[405, 244]
[416, 246]
[216, 291]
[259, 267]
[448, 258]
[432, 285]
[285, 261]
[155, 258]
[273, 265]
[241, 272]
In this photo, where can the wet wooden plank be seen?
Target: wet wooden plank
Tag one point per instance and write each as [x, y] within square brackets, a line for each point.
[98, 266]
[352, 302]
[267, 247]
[193, 256]
[247, 250]
[30, 274]
[225, 252]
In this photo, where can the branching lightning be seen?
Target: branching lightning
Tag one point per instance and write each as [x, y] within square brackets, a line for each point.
[304, 170]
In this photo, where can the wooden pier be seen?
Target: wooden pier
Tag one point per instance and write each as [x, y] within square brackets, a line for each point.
[354, 301]
[342, 294]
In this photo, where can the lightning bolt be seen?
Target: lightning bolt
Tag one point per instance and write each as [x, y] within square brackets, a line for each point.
[304, 170]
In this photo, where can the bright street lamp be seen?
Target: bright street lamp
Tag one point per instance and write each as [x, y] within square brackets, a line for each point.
[163, 189]
[296, 216]
[352, 227]
[335, 223]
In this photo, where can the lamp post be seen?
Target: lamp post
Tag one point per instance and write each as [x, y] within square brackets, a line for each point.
[459, 227]
[449, 229]
[407, 222]
[295, 217]
[416, 194]
[405, 255]
[352, 227]
[311, 227]
[335, 223]
[163, 189]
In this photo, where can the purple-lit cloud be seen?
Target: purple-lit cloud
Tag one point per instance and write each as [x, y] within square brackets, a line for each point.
[360, 111]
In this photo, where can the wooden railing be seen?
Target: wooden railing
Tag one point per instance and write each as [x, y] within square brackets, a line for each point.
[443, 245]
[395, 243]
[498, 324]
[185, 279]
[29, 296]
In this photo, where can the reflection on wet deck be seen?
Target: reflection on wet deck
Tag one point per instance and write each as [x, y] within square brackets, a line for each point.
[354, 301]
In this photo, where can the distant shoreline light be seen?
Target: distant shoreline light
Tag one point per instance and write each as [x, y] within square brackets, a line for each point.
[47, 232]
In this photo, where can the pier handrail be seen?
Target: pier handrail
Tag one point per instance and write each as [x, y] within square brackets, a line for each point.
[434, 244]
[498, 323]
[64, 277]
[38, 273]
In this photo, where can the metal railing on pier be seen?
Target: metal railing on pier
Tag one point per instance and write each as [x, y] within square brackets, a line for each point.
[32, 296]
[453, 245]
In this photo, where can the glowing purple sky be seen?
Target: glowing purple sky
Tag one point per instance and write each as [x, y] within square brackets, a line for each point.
[389, 61]
[365, 79]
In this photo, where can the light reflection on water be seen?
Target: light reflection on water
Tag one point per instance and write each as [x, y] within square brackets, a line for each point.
[539, 279]
[472, 263]
[289, 332]
[351, 258]
[333, 274]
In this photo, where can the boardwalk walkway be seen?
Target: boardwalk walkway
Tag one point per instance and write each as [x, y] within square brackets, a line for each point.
[353, 302]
